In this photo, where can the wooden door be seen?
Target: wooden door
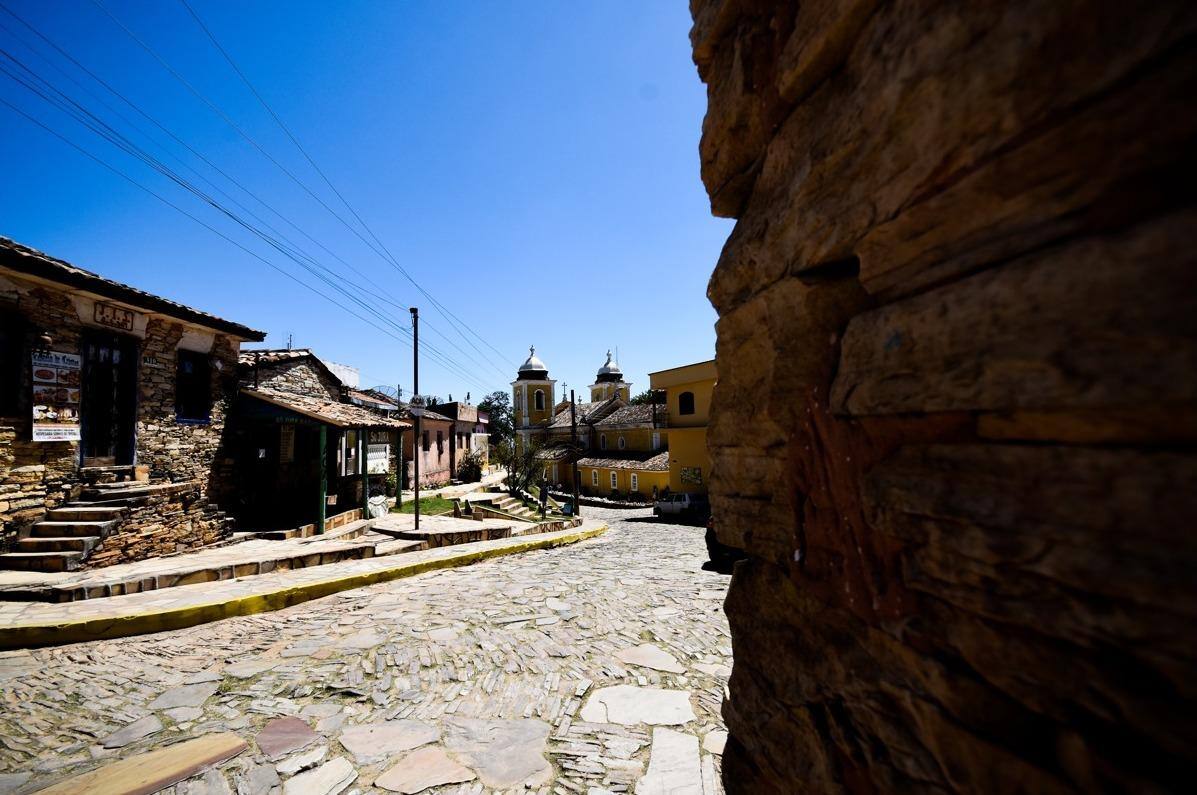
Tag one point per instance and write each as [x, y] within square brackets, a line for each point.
[109, 399]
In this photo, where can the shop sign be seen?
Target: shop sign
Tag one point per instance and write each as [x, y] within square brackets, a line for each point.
[378, 459]
[56, 387]
[114, 317]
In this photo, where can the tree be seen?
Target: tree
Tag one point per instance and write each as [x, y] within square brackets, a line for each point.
[648, 397]
[502, 427]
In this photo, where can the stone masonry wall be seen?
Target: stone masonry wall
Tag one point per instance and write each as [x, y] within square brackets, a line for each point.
[298, 377]
[37, 476]
[958, 310]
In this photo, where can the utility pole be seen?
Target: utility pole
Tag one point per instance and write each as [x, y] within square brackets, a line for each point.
[417, 409]
[399, 477]
[573, 430]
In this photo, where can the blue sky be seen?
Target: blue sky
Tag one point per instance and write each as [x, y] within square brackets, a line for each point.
[534, 166]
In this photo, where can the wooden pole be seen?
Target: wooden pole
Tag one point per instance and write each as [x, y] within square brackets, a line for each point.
[362, 448]
[573, 430]
[418, 408]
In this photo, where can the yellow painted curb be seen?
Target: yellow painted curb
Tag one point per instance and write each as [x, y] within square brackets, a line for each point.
[25, 636]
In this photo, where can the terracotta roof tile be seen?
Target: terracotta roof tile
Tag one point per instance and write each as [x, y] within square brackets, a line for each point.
[648, 462]
[343, 415]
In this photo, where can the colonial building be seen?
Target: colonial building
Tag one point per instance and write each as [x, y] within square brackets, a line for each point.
[304, 455]
[629, 455]
[112, 407]
[688, 391]
[469, 433]
[432, 447]
[619, 449]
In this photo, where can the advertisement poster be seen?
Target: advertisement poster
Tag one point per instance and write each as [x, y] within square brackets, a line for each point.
[56, 378]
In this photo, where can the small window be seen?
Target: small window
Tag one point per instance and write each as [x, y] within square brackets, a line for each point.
[594, 477]
[193, 387]
[614, 481]
[635, 482]
[519, 399]
[427, 442]
[540, 400]
[440, 442]
[656, 441]
[621, 443]
[685, 403]
[602, 441]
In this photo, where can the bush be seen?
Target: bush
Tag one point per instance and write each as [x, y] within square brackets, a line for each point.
[469, 469]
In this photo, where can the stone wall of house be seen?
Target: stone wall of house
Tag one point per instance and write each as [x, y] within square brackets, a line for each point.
[958, 313]
[178, 519]
[172, 449]
[34, 476]
[297, 377]
[37, 476]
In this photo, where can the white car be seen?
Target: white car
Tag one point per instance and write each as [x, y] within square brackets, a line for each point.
[675, 504]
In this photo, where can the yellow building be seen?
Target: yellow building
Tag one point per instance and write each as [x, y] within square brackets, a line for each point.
[533, 398]
[688, 390]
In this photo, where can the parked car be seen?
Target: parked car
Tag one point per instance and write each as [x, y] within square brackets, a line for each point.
[721, 556]
[681, 505]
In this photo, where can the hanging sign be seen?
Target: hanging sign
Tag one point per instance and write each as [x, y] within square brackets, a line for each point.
[56, 386]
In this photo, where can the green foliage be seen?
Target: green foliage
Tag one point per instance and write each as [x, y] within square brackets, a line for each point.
[429, 506]
[469, 469]
[498, 406]
[648, 397]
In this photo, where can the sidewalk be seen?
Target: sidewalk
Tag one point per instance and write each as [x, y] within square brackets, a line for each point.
[28, 624]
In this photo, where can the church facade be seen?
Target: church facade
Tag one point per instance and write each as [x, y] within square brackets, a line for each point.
[621, 449]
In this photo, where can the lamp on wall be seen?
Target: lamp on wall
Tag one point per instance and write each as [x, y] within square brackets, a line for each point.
[44, 341]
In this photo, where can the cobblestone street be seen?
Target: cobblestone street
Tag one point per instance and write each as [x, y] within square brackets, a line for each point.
[592, 668]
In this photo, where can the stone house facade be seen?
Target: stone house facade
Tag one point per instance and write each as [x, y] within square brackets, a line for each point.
[109, 395]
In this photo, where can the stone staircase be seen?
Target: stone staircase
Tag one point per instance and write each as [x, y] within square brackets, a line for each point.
[65, 538]
[69, 534]
[510, 505]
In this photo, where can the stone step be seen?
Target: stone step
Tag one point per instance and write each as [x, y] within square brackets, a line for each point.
[115, 502]
[41, 561]
[76, 529]
[84, 544]
[120, 491]
[84, 513]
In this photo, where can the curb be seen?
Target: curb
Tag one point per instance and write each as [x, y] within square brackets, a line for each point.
[29, 636]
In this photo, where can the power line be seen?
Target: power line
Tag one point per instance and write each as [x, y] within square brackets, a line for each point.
[311, 162]
[292, 250]
[101, 128]
[212, 165]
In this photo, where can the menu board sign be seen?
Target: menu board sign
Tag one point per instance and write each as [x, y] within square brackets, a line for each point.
[378, 459]
[56, 378]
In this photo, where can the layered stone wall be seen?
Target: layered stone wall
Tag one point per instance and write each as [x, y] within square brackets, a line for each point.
[37, 476]
[295, 376]
[180, 450]
[959, 312]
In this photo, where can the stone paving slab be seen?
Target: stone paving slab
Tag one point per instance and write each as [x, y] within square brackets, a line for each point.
[490, 657]
[32, 624]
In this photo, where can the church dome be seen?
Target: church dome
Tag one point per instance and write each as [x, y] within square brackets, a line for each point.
[533, 369]
[609, 371]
